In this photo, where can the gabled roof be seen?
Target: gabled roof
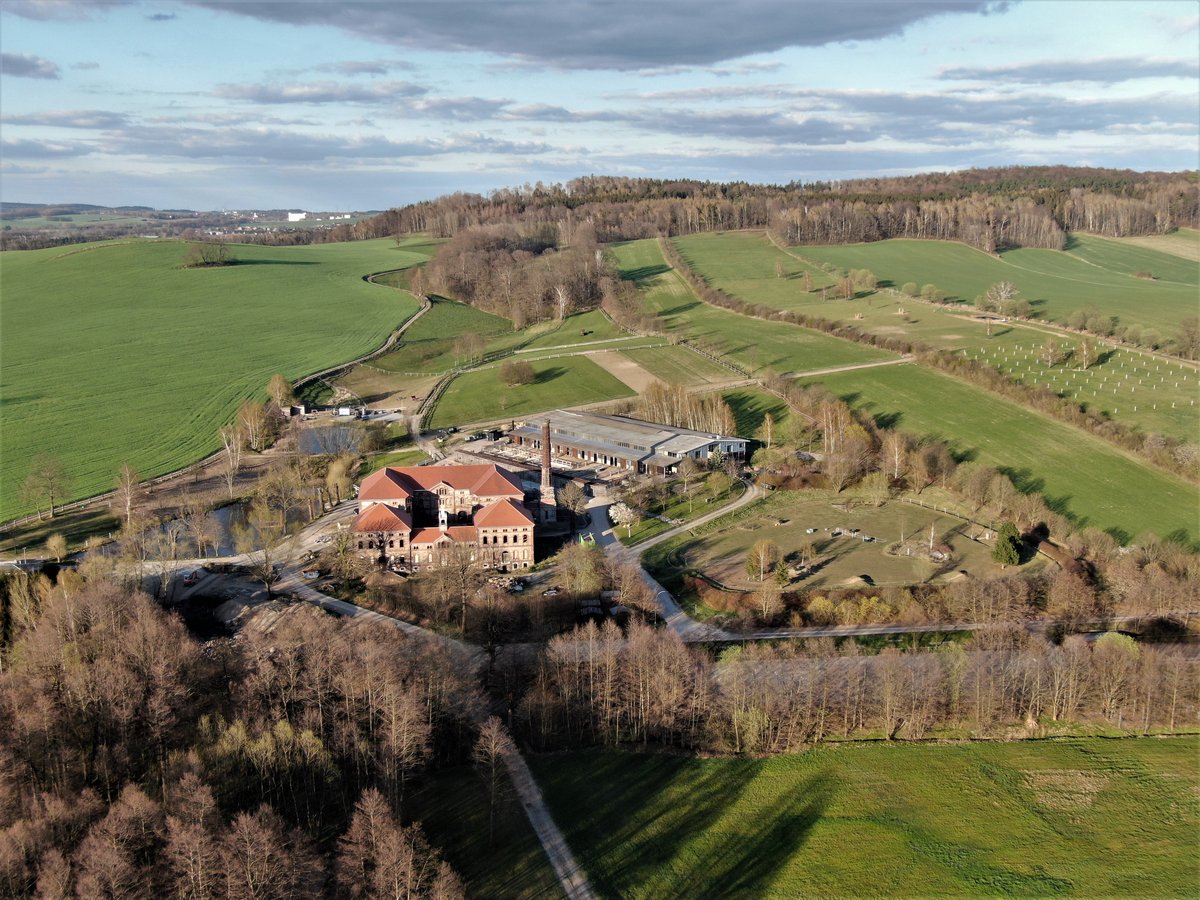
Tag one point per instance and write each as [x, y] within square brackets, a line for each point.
[460, 534]
[388, 483]
[401, 482]
[382, 517]
[502, 513]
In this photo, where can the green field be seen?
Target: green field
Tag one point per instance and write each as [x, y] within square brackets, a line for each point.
[743, 263]
[429, 344]
[679, 365]
[480, 396]
[1130, 259]
[1182, 242]
[1155, 393]
[1085, 817]
[755, 344]
[114, 354]
[597, 325]
[1055, 283]
[1081, 476]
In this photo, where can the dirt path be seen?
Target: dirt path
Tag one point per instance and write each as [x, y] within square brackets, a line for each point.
[623, 368]
[835, 369]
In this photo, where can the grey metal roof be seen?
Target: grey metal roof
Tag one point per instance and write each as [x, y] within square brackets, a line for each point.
[622, 435]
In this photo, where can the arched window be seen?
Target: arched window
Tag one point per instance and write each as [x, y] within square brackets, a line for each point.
[360, 545]
[525, 539]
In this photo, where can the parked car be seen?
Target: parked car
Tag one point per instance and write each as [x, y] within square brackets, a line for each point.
[311, 574]
[191, 578]
[551, 592]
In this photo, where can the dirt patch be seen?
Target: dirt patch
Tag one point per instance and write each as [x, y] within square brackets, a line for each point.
[1066, 788]
[623, 368]
[952, 337]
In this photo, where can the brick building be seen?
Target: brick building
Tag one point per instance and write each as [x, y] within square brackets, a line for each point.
[413, 516]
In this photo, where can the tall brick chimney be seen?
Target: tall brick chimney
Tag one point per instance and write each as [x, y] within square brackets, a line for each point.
[549, 507]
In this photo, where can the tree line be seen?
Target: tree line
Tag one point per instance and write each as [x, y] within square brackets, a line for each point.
[988, 208]
[646, 686]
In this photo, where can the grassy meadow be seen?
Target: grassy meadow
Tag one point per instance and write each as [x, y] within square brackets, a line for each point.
[113, 353]
[480, 396]
[744, 263]
[1155, 393]
[679, 365]
[1054, 282]
[1081, 817]
[1080, 475]
[755, 344]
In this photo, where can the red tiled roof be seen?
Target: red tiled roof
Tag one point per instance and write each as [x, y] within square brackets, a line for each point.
[485, 480]
[461, 534]
[381, 517]
[503, 513]
[386, 484]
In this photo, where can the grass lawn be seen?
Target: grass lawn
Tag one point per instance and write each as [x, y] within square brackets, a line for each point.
[755, 344]
[1080, 475]
[1088, 817]
[113, 353]
[1056, 283]
[679, 365]
[750, 406]
[452, 808]
[679, 508]
[480, 396]
[721, 551]
[407, 457]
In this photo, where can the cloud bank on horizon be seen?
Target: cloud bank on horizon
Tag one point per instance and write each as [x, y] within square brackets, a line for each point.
[359, 105]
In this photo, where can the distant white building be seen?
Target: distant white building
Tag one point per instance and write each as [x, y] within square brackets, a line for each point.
[297, 216]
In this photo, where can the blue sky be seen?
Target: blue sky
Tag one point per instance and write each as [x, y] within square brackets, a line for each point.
[329, 106]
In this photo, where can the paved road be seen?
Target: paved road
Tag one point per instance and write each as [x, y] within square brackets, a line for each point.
[602, 531]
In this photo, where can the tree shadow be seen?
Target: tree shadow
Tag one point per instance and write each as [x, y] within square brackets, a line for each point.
[1023, 479]
[746, 864]
[273, 262]
[641, 273]
[547, 375]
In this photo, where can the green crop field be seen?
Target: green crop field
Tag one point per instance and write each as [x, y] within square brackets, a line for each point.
[753, 343]
[1081, 476]
[480, 396]
[1129, 259]
[1183, 242]
[112, 353]
[1056, 283]
[1086, 817]
[679, 365]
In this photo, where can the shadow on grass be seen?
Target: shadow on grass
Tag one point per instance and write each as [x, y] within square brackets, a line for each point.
[547, 375]
[273, 262]
[632, 836]
[641, 273]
